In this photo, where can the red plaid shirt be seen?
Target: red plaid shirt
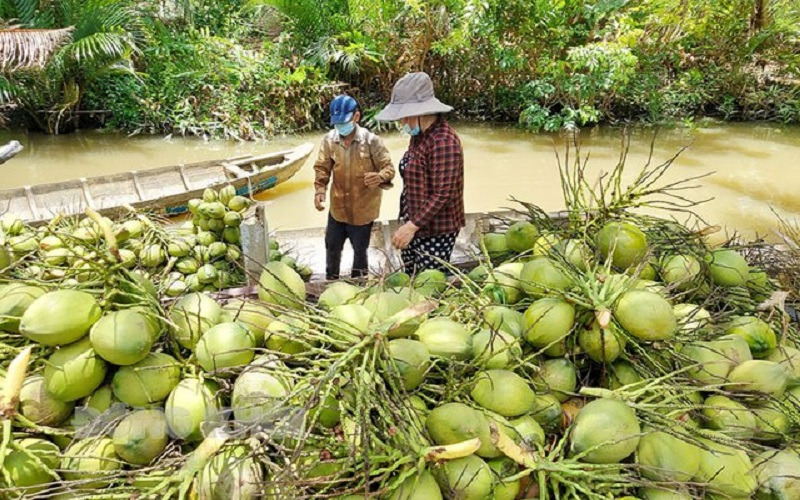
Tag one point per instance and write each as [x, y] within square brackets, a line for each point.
[433, 181]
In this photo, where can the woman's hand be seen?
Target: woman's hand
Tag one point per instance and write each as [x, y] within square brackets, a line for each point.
[403, 236]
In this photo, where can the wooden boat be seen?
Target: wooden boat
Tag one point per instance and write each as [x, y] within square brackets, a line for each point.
[160, 191]
[307, 245]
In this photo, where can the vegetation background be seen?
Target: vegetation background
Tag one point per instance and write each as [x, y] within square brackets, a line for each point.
[247, 69]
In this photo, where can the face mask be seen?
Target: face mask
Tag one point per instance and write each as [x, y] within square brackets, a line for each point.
[411, 131]
[345, 129]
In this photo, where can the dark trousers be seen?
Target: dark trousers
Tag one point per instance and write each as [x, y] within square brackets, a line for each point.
[335, 236]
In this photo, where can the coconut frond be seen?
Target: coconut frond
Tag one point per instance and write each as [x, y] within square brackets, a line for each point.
[30, 48]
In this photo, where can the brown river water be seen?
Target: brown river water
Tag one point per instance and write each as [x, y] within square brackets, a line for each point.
[753, 169]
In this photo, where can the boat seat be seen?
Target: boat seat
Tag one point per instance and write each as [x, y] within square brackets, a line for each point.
[236, 170]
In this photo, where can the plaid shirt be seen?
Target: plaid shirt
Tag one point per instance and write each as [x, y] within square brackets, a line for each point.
[433, 181]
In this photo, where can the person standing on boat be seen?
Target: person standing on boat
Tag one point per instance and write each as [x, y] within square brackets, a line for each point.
[358, 166]
[432, 169]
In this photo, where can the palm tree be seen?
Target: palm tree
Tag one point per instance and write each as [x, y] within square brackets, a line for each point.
[62, 47]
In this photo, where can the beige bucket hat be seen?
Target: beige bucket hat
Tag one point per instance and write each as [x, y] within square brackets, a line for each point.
[412, 95]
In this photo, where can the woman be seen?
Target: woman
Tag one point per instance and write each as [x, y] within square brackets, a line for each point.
[432, 168]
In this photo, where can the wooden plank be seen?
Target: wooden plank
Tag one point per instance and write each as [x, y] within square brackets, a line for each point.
[32, 202]
[136, 185]
[87, 196]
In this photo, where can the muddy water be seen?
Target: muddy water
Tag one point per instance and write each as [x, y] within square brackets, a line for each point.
[752, 170]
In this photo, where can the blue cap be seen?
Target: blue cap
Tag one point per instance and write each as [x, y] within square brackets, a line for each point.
[342, 109]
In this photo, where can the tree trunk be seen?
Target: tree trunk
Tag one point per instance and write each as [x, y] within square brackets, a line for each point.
[759, 17]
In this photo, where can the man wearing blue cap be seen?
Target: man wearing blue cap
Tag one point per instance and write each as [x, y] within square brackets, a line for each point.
[358, 166]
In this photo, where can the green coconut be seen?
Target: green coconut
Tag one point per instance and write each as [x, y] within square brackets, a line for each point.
[192, 315]
[789, 357]
[503, 392]
[225, 346]
[453, 423]
[521, 236]
[729, 417]
[349, 322]
[233, 473]
[74, 371]
[411, 360]
[605, 431]
[445, 338]
[726, 470]
[141, 436]
[494, 349]
[503, 469]
[528, 431]
[31, 464]
[680, 271]
[645, 315]
[494, 244]
[666, 457]
[468, 478]
[15, 299]
[91, 461]
[281, 285]
[60, 317]
[548, 321]
[546, 243]
[420, 486]
[576, 252]
[557, 376]
[259, 390]
[772, 424]
[778, 474]
[147, 382]
[287, 334]
[504, 282]
[757, 375]
[337, 293]
[192, 409]
[654, 493]
[715, 359]
[756, 332]
[622, 373]
[256, 317]
[691, 318]
[728, 267]
[388, 303]
[623, 243]
[123, 337]
[547, 411]
[39, 406]
[541, 276]
[503, 318]
[602, 345]
[430, 282]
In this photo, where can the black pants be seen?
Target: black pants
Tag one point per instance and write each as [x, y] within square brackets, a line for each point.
[335, 236]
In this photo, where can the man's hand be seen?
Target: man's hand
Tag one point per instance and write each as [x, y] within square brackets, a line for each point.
[403, 236]
[319, 200]
[372, 179]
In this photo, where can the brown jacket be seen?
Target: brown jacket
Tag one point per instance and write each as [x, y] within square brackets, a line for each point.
[351, 201]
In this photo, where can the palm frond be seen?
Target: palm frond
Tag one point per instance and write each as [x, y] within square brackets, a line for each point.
[99, 45]
[29, 48]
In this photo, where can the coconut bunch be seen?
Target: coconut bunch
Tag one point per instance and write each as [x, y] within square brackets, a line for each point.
[201, 254]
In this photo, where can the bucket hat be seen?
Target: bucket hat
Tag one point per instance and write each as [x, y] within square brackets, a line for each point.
[412, 95]
[342, 109]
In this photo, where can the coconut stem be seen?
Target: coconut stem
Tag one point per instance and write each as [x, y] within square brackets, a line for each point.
[511, 449]
[451, 451]
[13, 383]
[108, 232]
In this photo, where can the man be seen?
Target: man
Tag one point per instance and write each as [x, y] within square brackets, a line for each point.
[358, 166]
